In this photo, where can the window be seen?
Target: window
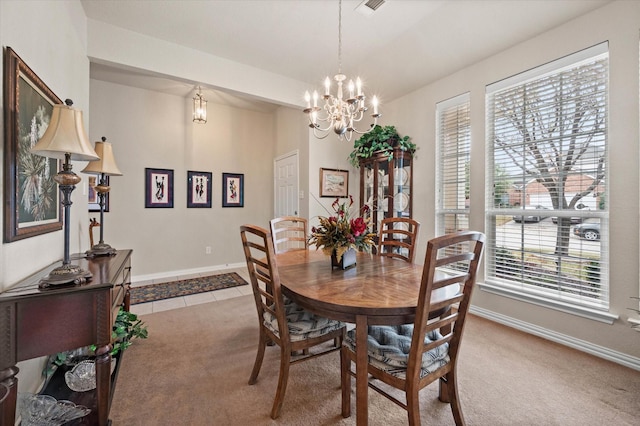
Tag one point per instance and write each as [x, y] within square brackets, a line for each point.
[453, 127]
[546, 183]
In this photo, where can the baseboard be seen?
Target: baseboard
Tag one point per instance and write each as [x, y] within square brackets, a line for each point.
[563, 339]
[138, 280]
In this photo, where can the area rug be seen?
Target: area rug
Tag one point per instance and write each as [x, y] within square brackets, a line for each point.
[153, 292]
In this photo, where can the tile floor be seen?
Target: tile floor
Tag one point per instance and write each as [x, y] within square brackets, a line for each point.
[195, 299]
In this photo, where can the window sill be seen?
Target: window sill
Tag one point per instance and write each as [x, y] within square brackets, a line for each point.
[591, 314]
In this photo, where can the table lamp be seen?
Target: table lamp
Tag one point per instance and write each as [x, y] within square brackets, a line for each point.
[66, 139]
[105, 166]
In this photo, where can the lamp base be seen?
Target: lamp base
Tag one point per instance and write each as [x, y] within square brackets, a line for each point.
[101, 249]
[66, 274]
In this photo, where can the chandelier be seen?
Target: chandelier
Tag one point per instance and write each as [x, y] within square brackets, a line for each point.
[338, 113]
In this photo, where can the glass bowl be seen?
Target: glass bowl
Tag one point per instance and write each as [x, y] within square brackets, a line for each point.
[45, 410]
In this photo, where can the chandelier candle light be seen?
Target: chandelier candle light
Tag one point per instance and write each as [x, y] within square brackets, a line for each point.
[105, 166]
[65, 138]
[339, 113]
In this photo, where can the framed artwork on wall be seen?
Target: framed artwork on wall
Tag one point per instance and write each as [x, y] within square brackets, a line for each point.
[94, 200]
[199, 189]
[232, 190]
[32, 199]
[158, 188]
[334, 183]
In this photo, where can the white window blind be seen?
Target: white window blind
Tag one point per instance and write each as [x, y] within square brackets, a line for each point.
[547, 211]
[453, 135]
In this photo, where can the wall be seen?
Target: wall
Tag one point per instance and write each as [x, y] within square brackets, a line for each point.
[415, 115]
[151, 129]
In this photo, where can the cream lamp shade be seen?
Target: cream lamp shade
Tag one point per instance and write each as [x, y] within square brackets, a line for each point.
[106, 164]
[65, 135]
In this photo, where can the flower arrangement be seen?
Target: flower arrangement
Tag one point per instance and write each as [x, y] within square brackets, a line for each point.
[341, 232]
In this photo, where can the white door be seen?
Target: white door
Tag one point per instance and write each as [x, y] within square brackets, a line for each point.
[286, 185]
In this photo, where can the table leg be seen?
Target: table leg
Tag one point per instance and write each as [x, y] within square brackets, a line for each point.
[362, 388]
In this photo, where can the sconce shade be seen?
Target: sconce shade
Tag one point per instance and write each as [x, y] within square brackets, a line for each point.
[65, 135]
[106, 164]
[199, 108]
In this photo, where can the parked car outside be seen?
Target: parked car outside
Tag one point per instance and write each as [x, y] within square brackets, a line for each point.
[527, 215]
[573, 219]
[588, 231]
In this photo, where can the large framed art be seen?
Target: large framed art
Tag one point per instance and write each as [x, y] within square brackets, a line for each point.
[334, 183]
[158, 192]
[32, 199]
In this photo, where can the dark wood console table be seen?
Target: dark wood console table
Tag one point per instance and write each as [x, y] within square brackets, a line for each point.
[35, 323]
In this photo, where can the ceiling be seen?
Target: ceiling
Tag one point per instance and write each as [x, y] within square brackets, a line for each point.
[403, 45]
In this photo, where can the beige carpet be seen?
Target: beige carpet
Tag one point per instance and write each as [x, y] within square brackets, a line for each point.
[193, 370]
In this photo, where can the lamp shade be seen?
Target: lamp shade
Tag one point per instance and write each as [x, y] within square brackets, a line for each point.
[106, 164]
[65, 135]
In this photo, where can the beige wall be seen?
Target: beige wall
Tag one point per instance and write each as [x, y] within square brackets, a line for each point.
[415, 115]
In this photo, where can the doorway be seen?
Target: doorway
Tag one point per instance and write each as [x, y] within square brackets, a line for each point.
[285, 174]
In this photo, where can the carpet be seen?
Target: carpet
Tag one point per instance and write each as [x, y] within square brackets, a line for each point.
[153, 292]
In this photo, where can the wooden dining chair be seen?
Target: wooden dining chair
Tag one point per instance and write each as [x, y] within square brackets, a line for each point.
[411, 356]
[281, 321]
[398, 237]
[289, 233]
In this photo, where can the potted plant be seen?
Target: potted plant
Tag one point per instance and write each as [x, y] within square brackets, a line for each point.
[379, 139]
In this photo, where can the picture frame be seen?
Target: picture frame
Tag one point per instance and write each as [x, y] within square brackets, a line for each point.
[158, 188]
[334, 183]
[199, 189]
[32, 199]
[93, 200]
[232, 190]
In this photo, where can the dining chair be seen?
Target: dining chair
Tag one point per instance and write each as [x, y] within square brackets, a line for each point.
[397, 238]
[411, 356]
[281, 321]
[289, 233]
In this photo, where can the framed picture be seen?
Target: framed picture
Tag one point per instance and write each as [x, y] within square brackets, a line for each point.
[232, 190]
[94, 200]
[158, 188]
[199, 189]
[334, 183]
[32, 199]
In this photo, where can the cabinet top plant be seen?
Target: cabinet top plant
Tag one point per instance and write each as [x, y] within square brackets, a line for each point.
[379, 139]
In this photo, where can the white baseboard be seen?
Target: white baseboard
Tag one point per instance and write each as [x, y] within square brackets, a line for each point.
[138, 280]
[563, 339]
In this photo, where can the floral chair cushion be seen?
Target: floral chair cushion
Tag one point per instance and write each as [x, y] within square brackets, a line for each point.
[302, 324]
[388, 349]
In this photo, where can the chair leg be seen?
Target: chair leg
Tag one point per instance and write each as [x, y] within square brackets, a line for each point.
[345, 382]
[413, 406]
[285, 360]
[454, 399]
[262, 343]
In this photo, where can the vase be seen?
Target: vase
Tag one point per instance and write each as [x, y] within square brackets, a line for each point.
[347, 261]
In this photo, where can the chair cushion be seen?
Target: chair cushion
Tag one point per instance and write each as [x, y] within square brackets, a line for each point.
[302, 324]
[388, 349]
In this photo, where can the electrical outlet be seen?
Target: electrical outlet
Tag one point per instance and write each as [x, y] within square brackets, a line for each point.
[207, 250]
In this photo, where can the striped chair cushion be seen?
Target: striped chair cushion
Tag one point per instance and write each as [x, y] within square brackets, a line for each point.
[388, 349]
[302, 324]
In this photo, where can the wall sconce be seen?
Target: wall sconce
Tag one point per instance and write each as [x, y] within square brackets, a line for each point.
[199, 108]
[105, 166]
[66, 139]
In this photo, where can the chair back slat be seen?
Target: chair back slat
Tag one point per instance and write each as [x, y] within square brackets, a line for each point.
[289, 233]
[397, 238]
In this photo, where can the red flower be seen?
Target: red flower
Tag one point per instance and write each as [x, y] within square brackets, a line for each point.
[358, 226]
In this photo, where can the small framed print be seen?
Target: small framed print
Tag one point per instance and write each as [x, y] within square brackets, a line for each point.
[199, 189]
[158, 188]
[232, 190]
[94, 199]
[334, 183]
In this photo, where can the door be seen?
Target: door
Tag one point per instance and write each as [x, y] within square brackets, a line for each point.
[286, 185]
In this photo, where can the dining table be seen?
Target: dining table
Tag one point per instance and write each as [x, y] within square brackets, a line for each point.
[378, 290]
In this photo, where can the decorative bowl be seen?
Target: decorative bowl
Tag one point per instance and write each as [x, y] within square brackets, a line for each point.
[82, 377]
[45, 410]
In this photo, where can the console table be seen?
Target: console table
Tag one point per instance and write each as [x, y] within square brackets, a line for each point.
[38, 322]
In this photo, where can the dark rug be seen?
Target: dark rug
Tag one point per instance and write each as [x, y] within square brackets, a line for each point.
[153, 292]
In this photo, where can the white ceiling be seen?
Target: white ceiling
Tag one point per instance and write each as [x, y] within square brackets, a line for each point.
[404, 45]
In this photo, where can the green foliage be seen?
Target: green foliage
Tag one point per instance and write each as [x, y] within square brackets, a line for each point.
[127, 327]
[380, 139]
